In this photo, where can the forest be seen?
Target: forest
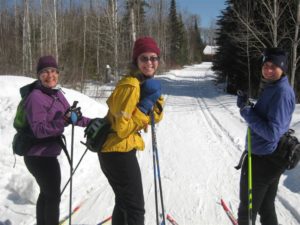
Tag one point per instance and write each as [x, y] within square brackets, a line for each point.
[245, 29]
[93, 39]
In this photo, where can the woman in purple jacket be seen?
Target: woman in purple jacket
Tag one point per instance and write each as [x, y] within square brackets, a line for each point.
[48, 113]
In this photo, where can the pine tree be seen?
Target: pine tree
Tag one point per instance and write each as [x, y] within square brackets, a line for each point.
[183, 45]
[173, 27]
[198, 44]
[177, 39]
[227, 60]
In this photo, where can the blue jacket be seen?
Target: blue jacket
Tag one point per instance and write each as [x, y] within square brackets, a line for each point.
[271, 116]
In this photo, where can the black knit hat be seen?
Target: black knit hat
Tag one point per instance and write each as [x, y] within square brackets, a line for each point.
[46, 62]
[277, 56]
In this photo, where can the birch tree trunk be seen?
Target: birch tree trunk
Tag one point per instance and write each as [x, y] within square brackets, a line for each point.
[84, 51]
[55, 30]
[132, 20]
[248, 54]
[295, 58]
[114, 17]
[27, 56]
[16, 33]
[98, 45]
[41, 28]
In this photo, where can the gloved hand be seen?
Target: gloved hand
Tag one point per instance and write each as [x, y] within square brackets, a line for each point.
[72, 115]
[150, 92]
[242, 99]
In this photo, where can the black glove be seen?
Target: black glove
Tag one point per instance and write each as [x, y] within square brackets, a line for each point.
[243, 100]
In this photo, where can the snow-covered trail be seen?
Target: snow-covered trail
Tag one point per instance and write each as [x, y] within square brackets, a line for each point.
[199, 153]
[199, 141]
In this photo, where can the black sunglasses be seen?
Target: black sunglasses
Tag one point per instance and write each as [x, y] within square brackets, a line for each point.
[151, 58]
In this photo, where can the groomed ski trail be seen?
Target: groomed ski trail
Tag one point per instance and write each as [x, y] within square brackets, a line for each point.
[196, 172]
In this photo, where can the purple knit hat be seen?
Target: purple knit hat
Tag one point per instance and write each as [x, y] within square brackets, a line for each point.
[46, 62]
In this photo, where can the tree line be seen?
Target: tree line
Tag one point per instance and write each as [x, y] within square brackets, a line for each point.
[88, 35]
[245, 28]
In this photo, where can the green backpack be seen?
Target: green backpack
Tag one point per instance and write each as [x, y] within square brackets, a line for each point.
[23, 139]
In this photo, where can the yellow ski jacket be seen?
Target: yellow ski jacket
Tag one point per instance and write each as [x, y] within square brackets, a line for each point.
[125, 117]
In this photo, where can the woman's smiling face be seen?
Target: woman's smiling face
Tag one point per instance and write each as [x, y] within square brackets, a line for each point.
[148, 63]
[49, 77]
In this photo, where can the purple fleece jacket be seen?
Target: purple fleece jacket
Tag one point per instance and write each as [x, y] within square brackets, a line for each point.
[45, 109]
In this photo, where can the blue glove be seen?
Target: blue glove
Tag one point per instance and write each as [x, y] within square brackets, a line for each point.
[73, 115]
[242, 99]
[150, 92]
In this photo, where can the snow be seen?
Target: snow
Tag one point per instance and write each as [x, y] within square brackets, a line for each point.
[210, 50]
[199, 141]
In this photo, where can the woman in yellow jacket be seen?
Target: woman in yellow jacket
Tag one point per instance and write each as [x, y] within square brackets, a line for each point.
[134, 98]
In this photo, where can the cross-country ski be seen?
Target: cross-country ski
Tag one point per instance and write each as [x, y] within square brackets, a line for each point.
[229, 213]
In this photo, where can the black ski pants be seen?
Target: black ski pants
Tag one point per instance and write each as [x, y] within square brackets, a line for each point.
[123, 173]
[46, 171]
[265, 179]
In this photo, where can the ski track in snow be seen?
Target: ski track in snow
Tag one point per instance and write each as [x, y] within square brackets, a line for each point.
[199, 140]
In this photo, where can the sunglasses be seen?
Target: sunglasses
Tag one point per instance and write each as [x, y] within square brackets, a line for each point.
[145, 59]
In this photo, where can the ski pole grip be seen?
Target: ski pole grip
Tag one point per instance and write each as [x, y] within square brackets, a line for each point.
[74, 105]
[240, 93]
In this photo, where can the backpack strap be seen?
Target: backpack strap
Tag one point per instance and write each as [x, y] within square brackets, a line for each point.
[241, 161]
[63, 143]
[61, 140]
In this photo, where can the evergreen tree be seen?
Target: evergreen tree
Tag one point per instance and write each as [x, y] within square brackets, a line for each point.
[245, 29]
[173, 27]
[227, 62]
[183, 44]
[177, 39]
[197, 43]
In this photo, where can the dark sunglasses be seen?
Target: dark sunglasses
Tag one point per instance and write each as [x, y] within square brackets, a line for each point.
[151, 58]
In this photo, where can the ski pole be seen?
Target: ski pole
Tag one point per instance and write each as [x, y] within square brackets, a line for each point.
[105, 220]
[154, 146]
[249, 177]
[155, 184]
[64, 188]
[71, 165]
[71, 177]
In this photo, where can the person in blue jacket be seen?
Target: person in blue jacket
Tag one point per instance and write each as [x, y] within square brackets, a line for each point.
[268, 120]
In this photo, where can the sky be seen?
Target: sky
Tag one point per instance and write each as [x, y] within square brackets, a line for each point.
[199, 141]
[208, 10]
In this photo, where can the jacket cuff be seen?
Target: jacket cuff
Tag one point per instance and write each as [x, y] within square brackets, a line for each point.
[140, 118]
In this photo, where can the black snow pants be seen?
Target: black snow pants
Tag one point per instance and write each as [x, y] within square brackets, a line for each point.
[123, 173]
[265, 179]
[46, 171]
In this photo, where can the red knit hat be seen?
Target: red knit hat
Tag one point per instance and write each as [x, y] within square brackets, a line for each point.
[45, 62]
[144, 44]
